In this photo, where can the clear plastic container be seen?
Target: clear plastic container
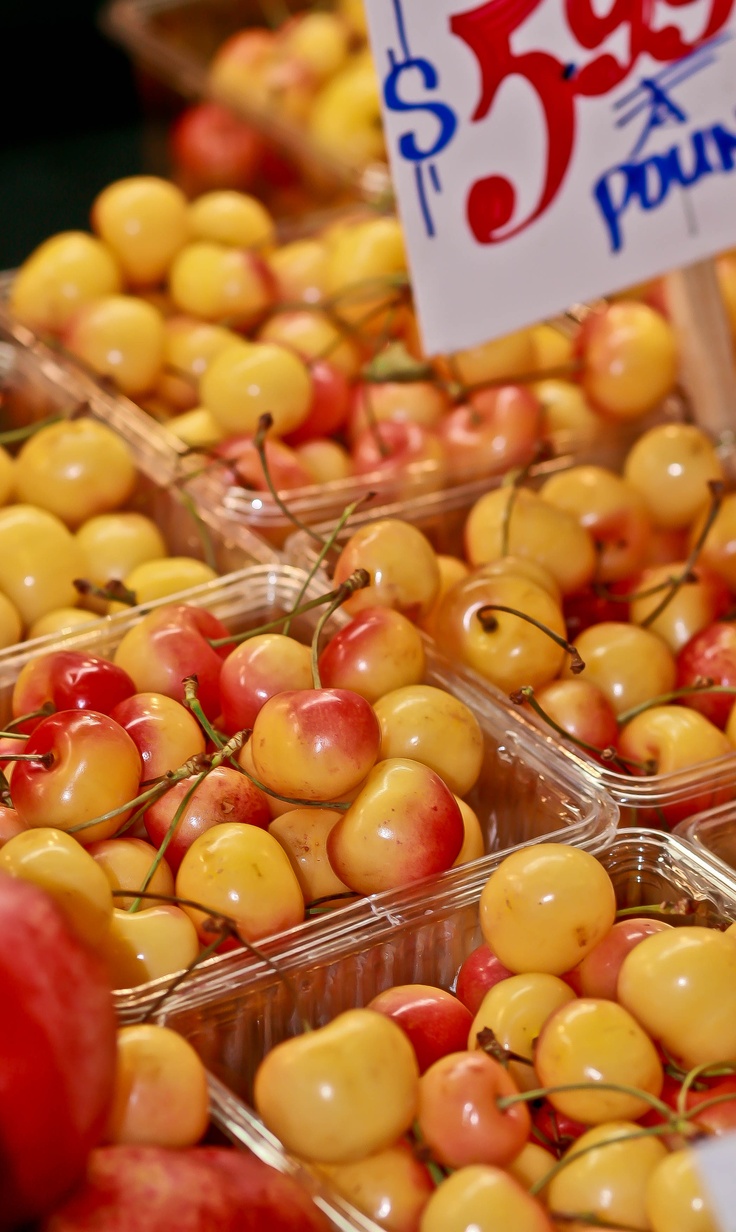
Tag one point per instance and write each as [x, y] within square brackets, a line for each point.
[526, 791]
[175, 40]
[714, 833]
[407, 937]
[660, 801]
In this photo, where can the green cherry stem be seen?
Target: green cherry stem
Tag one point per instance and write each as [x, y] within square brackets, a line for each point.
[179, 813]
[485, 615]
[192, 701]
[45, 710]
[356, 581]
[716, 491]
[14, 436]
[328, 544]
[14, 735]
[621, 1088]
[704, 685]
[526, 694]
[113, 591]
[277, 623]
[650, 1131]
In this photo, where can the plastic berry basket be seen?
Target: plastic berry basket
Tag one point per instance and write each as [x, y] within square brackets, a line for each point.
[713, 832]
[405, 937]
[525, 792]
[36, 383]
[174, 41]
[660, 801]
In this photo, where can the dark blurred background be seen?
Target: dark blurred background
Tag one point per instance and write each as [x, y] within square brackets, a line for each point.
[74, 119]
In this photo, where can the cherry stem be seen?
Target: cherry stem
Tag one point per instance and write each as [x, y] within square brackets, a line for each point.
[508, 1101]
[651, 1131]
[43, 759]
[356, 581]
[704, 685]
[14, 735]
[44, 712]
[175, 820]
[716, 491]
[113, 591]
[526, 694]
[145, 798]
[192, 701]
[277, 623]
[347, 513]
[209, 554]
[490, 625]
[319, 905]
[13, 436]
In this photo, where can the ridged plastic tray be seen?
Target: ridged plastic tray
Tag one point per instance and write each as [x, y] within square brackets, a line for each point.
[408, 937]
[526, 791]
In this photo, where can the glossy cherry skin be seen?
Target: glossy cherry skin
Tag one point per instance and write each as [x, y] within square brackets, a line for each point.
[69, 680]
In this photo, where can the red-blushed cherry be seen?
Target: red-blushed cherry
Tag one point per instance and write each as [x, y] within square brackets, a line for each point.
[169, 645]
[676, 614]
[255, 670]
[11, 824]
[435, 1021]
[459, 1117]
[395, 445]
[582, 710]
[377, 651]
[392, 1186]
[211, 147]
[223, 795]
[597, 974]
[402, 565]
[87, 767]
[710, 655]
[477, 974]
[591, 606]
[403, 825]
[555, 1129]
[420, 402]
[69, 679]
[314, 744]
[285, 469]
[329, 407]
[719, 1117]
[163, 730]
[494, 430]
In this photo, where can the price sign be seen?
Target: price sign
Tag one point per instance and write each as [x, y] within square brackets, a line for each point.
[716, 1162]
[545, 152]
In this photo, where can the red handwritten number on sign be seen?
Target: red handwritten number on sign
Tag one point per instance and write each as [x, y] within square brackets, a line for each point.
[487, 30]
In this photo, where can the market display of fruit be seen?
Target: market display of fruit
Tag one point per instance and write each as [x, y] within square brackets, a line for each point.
[562, 997]
[368, 745]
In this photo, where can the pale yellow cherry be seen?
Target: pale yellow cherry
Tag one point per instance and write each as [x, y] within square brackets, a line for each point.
[62, 273]
[366, 268]
[567, 416]
[233, 218]
[11, 625]
[61, 620]
[515, 1010]
[319, 40]
[452, 569]
[677, 1196]
[521, 566]
[248, 380]
[75, 469]
[127, 863]
[506, 358]
[197, 428]
[160, 578]
[345, 117]
[530, 1167]
[401, 563]
[484, 1198]
[474, 843]
[718, 550]
[611, 510]
[671, 466]
[218, 283]
[60, 865]
[160, 1096]
[315, 336]
[144, 220]
[39, 560]
[629, 357]
[607, 1172]
[299, 268]
[7, 468]
[629, 664]
[147, 944]
[120, 337]
[553, 347]
[353, 12]
[114, 544]
[519, 522]
[308, 1088]
[189, 346]
[325, 461]
[676, 612]
[431, 725]
[302, 833]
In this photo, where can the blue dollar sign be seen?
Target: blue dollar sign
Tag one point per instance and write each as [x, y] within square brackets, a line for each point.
[444, 115]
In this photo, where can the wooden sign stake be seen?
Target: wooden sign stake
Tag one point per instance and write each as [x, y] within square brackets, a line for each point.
[708, 370]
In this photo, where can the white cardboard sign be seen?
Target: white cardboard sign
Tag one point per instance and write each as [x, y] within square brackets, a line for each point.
[545, 152]
[716, 1160]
